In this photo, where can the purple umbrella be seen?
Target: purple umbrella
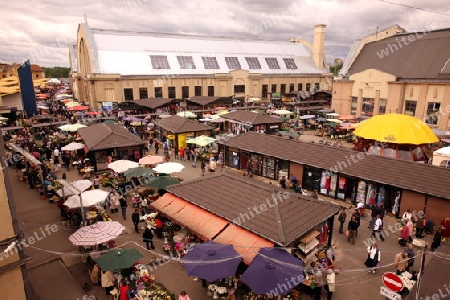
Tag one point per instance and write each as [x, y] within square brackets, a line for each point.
[134, 119]
[273, 271]
[211, 261]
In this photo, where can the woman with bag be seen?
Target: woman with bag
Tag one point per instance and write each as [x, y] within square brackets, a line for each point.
[373, 257]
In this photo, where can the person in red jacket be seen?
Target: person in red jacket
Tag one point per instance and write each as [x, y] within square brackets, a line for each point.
[124, 291]
[181, 153]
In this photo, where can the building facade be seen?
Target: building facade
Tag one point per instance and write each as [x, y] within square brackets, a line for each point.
[405, 73]
[116, 66]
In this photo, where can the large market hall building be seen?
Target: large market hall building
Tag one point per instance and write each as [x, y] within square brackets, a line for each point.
[115, 66]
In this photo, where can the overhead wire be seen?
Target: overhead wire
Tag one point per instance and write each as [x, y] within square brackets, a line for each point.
[416, 8]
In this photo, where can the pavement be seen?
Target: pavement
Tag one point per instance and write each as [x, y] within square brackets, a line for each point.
[56, 270]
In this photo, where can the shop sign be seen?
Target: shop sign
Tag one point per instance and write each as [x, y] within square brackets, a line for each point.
[384, 291]
[171, 136]
[234, 153]
[273, 126]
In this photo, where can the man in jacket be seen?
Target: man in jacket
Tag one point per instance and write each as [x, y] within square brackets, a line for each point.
[401, 262]
[352, 229]
[147, 237]
[377, 228]
[135, 217]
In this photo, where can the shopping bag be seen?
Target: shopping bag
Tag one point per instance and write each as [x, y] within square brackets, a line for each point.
[347, 232]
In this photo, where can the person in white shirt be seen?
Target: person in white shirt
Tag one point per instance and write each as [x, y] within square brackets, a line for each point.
[373, 257]
[56, 156]
[407, 215]
[377, 228]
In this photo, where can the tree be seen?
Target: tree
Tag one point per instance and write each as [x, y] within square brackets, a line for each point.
[336, 67]
[57, 72]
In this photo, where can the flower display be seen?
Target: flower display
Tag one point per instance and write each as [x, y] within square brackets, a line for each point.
[222, 291]
[212, 287]
[146, 280]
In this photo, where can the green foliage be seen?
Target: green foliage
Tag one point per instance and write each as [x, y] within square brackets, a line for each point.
[335, 69]
[57, 72]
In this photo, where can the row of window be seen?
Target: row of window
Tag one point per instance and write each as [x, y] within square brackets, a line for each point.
[238, 89]
[210, 62]
[367, 108]
[143, 93]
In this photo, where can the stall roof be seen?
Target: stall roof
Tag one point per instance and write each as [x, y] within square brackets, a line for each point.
[247, 244]
[107, 136]
[177, 124]
[25, 154]
[12, 128]
[153, 103]
[205, 224]
[252, 118]
[426, 179]
[207, 100]
[233, 198]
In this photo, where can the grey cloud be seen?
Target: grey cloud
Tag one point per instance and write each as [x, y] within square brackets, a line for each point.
[33, 24]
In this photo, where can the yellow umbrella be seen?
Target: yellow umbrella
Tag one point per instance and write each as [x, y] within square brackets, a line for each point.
[396, 129]
[222, 112]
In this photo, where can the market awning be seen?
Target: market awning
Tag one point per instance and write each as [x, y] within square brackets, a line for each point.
[195, 219]
[25, 154]
[247, 244]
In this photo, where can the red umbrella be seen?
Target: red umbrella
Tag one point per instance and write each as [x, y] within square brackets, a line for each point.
[93, 113]
[78, 108]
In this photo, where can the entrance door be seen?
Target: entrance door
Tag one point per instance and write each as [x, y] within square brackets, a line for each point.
[311, 178]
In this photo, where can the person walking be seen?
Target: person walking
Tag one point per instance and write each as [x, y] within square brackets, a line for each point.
[203, 167]
[401, 262]
[182, 153]
[420, 227]
[352, 229]
[108, 280]
[411, 254]
[95, 275]
[330, 286]
[318, 281]
[183, 296]
[357, 215]
[144, 206]
[135, 217]
[341, 218]
[147, 237]
[436, 241]
[283, 182]
[374, 214]
[377, 228]
[410, 226]
[123, 206]
[113, 202]
[373, 257]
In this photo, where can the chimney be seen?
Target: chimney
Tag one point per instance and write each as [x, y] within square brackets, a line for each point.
[319, 45]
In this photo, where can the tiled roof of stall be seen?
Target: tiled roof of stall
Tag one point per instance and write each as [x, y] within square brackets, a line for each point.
[128, 53]
[177, 124]
[426, 179]
[106, 136]
[233, 198]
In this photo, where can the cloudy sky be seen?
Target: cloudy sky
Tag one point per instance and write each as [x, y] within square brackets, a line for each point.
[40, 29]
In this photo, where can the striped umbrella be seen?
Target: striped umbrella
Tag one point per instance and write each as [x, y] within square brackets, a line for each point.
[100, 232]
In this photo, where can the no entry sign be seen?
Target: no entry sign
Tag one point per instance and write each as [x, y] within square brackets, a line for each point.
[392, 281]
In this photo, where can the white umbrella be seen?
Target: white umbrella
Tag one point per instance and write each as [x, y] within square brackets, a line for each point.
[307, 117]
[98, 233]
[82, 184]
[169, 167]
[282, 112]
[73, 147]
[43, 107]
[72, 127]
[89, 198]
[187, 114]
[54, 80]
[164, 116]
[122, 165]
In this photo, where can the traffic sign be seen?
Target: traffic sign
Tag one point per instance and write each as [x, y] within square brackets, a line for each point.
[392, 281]
[389, 294]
